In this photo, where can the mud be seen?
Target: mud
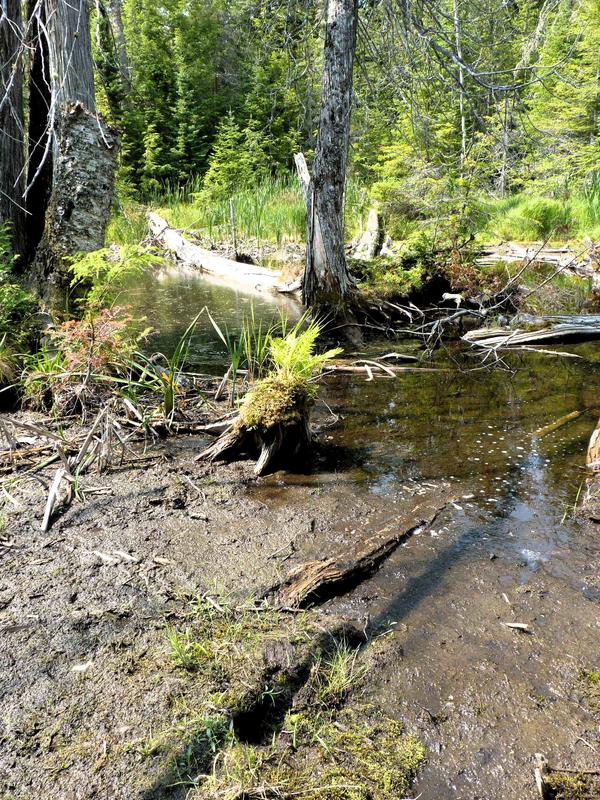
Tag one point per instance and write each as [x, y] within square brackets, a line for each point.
[86, 679]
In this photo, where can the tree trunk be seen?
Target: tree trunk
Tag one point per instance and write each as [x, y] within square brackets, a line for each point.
[39, 173]
[84, 149]
[70, 46]
[115, 15]
[12, 147]
[326, 279]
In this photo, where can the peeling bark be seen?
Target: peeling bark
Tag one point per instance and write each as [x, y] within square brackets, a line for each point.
[82, 193]
[84, 148]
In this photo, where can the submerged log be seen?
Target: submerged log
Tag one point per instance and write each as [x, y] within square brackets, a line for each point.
[190, 254]
[319, 580]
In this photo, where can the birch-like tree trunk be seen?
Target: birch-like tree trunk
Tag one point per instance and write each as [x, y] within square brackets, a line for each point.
[84, 149]
[326, 279]
[12, 145]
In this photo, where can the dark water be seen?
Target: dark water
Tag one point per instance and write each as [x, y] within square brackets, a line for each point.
[473, 427]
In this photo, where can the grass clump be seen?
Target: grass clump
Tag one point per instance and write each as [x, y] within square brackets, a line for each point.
[337, 675]
[333, 758]
[300, 738]
[528, 218]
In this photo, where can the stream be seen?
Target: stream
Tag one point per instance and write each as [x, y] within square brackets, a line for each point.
[507, 548]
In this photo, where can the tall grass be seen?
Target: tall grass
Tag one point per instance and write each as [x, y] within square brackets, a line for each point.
[525, 217]
[271, 211]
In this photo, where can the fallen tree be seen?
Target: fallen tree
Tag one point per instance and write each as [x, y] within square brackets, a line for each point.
[550, 329]
[192, 255]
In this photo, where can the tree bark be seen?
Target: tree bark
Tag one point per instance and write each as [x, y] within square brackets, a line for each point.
[115, 15]
[12, 145]
[84, 149]
[326, 279]
[39, 173]
[70, 47]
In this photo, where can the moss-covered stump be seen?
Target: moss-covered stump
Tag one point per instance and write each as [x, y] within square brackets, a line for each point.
[274, 419]
[273, 424]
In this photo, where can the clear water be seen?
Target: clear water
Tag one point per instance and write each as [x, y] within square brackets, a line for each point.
[473, 428]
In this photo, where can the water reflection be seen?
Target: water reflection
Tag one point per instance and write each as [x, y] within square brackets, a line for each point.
[170, 303]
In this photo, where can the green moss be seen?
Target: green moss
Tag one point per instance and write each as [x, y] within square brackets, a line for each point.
[369, 761]
[391, 278]
[277, 400]
[574, 786]
[592, 688]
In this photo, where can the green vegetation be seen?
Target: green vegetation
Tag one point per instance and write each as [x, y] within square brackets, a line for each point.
[19, 323]
[567, 786]
[533, 218]
[102, 274]
[325, 745]
[592, 688]
[284, 396]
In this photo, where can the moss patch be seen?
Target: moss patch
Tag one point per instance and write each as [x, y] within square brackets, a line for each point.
[277, 400]
[563, 786]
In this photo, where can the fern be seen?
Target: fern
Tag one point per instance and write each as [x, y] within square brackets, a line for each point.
[293, 356]
[104, 272]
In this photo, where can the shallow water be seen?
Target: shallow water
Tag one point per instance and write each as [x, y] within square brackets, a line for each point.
[507, 548]
[473, 427]
[171, 302]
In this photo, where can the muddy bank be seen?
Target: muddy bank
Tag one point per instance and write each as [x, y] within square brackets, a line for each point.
[88, 677]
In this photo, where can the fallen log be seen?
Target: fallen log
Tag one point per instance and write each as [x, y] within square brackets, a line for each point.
[190, 254]
[557, 329]
[315, 581]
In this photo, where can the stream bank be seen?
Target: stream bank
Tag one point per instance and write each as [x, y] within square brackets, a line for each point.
[89, 681]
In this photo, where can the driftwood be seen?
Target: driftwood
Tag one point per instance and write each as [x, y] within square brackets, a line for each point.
[559, 328]
[317, 580]
[233, 272]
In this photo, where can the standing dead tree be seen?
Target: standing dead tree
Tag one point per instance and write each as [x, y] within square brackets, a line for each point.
[12, 152]
[327, 282]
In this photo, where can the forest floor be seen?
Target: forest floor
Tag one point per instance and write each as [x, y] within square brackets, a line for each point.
[96, 706]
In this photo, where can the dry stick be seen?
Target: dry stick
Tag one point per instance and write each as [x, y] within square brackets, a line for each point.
[52, 496]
